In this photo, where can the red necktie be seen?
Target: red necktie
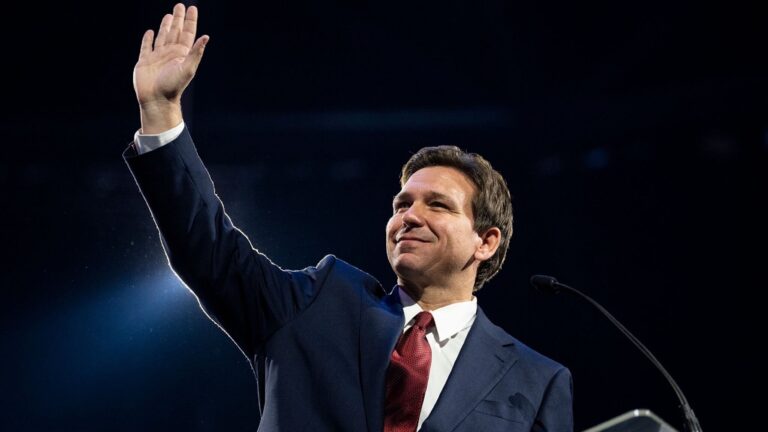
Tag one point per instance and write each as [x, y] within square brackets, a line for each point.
[407, 377]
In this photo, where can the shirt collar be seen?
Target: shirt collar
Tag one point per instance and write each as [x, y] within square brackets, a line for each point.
[449, 319]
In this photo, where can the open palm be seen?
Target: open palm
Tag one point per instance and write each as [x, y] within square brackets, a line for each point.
[165, 70]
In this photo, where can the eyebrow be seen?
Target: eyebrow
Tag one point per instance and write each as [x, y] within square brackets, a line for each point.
[429, 196]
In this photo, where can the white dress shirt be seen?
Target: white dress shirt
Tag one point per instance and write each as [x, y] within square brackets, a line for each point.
[149, 142]
[446, 337]
[452, 324]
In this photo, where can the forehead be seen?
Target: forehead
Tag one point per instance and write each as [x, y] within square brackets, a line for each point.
[442, 180]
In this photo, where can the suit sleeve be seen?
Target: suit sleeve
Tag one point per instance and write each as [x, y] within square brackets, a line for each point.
[239, 288]
[556, 411]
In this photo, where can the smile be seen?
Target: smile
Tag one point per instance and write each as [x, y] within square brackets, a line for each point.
[412, 239]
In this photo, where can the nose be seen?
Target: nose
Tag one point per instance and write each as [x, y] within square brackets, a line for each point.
[413, 216]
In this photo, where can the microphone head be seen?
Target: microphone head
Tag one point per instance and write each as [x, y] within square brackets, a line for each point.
[546, 284]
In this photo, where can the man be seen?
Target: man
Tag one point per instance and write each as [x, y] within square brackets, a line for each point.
[331, 349]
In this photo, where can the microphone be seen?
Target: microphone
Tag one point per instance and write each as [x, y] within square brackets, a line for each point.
[546, 284]
[550, 285]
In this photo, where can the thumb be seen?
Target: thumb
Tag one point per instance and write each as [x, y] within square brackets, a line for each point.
[195, 55]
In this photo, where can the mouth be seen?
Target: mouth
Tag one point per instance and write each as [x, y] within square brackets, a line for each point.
[409, 238]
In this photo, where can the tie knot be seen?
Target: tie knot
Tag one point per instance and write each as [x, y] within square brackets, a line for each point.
[423, 320]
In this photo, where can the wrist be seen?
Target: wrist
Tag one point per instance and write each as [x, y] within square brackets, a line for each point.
[157, 117]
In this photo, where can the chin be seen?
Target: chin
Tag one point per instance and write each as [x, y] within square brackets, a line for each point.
[405, 267]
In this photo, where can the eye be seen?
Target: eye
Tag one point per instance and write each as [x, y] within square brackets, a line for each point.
[438, 204]
[400, 205]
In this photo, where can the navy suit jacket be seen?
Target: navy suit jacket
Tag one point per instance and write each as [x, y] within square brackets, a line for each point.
[320, 339]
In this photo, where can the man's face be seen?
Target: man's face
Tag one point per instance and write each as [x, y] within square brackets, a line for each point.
[430, 236]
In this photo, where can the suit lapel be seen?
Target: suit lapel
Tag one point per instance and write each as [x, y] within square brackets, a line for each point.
[381, 325]
[484, 359]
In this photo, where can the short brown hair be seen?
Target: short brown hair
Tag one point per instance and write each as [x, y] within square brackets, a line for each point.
[491, 204]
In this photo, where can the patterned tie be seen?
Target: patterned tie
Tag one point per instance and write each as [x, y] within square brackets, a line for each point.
[407, 377]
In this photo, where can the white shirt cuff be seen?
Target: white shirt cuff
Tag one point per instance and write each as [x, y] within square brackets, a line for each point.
[148, 142]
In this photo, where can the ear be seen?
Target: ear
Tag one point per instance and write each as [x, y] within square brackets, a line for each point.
[489, 242]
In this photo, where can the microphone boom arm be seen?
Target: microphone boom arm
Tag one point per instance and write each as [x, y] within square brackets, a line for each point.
[550, 284]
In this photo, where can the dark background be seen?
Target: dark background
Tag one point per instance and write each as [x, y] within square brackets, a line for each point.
[633, 136]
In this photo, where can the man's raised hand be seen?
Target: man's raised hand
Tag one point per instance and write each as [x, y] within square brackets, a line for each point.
[166, 69]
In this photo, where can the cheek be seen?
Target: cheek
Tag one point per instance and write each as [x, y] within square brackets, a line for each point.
[465, 236]
[390, 230]
[391, 224]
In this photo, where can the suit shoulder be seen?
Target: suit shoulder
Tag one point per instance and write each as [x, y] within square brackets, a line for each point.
[526, 355]
[340, 270]
[536, 358]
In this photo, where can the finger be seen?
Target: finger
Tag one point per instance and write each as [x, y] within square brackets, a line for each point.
[146, 44]
[179, 11]
[192, 61]
[187, 37]
[162, 32]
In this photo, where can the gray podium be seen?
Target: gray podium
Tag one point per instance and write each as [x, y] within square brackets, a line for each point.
[639, 420]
